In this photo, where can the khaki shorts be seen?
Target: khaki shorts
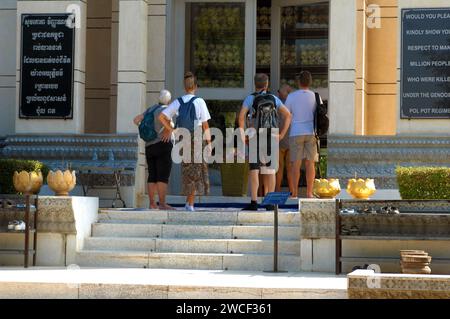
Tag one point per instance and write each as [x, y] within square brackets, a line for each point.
[303, 147]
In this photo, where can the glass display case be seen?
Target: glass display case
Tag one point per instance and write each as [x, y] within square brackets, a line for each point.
[215, 43]
[304, 43]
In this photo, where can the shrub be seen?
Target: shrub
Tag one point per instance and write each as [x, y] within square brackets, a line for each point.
[9, 166]
[423, 182]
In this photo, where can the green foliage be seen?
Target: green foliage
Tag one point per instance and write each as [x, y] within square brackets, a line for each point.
[323, 160]
[9, 166]
[423, 182]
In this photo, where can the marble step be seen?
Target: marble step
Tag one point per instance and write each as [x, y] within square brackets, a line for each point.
[110, 283]
[193, 231]
[191, 245]
[218, 217]
[138, 259]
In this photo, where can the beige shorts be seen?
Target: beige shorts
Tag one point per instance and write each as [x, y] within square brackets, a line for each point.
[303, 147]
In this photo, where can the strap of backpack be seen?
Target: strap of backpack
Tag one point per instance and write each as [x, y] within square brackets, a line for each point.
[318, 103]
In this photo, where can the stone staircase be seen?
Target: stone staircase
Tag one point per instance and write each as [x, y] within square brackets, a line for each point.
[223, 239]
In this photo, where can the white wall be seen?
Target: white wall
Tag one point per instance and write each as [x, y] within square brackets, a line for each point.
[7, 66]
[342, 66]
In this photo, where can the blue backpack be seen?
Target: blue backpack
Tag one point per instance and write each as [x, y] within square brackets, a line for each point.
[186, 114]
[147, 127]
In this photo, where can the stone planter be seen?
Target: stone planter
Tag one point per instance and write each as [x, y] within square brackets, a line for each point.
[61, 183]
[28, 182]
[234, 179]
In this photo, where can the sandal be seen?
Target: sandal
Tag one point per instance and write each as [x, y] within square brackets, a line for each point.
[8, 204]
[393, 210]
[369, 211]
[345, 230]
[354, 230]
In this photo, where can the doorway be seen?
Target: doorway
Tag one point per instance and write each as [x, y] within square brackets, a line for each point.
[292, 36]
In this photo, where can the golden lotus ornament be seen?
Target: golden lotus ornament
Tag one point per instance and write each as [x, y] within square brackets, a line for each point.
[28, 182]
[326, 188]
[361, 188]
[61, 182]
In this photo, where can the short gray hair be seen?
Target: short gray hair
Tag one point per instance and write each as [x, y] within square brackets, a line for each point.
[164, 97]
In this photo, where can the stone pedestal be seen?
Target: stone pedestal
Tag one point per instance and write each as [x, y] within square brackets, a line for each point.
[75, 125]
[317, 234]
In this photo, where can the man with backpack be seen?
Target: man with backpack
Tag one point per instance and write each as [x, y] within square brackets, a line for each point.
[263, 108]
[305, 106]
[158, 151]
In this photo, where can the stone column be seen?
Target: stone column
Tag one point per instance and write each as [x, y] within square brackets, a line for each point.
[342, 66]
[8, 16]
[132, 63]
[132, 77]
[75, 125]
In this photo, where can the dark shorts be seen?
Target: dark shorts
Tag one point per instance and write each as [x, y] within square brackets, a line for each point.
[159, 162]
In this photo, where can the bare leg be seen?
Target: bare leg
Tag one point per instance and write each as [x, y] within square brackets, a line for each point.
[254, 184]
[288, 170]
[190, 199]
[269, 183]
[295, 177]
[162, 191]
[151, 195]
[310, 176]
[280, 172]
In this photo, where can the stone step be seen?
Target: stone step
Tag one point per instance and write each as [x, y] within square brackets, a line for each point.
[109, 283]
[137, 259]
[225, 246]
[193, 231]
[205, 217]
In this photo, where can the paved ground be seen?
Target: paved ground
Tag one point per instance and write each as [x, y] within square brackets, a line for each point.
[164, 283]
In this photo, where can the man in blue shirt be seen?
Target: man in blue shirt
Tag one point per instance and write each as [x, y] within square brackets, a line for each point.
[261, 87]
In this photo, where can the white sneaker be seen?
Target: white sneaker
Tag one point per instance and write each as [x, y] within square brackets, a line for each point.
[189, 208]
[20, 226]
[12, 224]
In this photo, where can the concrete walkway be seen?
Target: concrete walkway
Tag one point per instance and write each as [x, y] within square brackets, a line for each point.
[75, 283]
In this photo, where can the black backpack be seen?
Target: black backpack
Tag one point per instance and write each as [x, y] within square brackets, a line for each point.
[265, 110]
[321, 121]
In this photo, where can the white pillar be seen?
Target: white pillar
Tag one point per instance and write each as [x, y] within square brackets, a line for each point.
[8, 17]
[342, 66]
[132, 63]
[76, 124]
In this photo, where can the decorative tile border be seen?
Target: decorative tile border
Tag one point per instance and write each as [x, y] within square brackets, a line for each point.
[377, 156]
[364, 284]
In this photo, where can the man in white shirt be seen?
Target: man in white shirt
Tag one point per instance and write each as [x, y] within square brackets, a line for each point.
[302, 140]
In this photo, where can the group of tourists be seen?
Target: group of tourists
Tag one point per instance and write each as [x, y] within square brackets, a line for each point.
[288, 117]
